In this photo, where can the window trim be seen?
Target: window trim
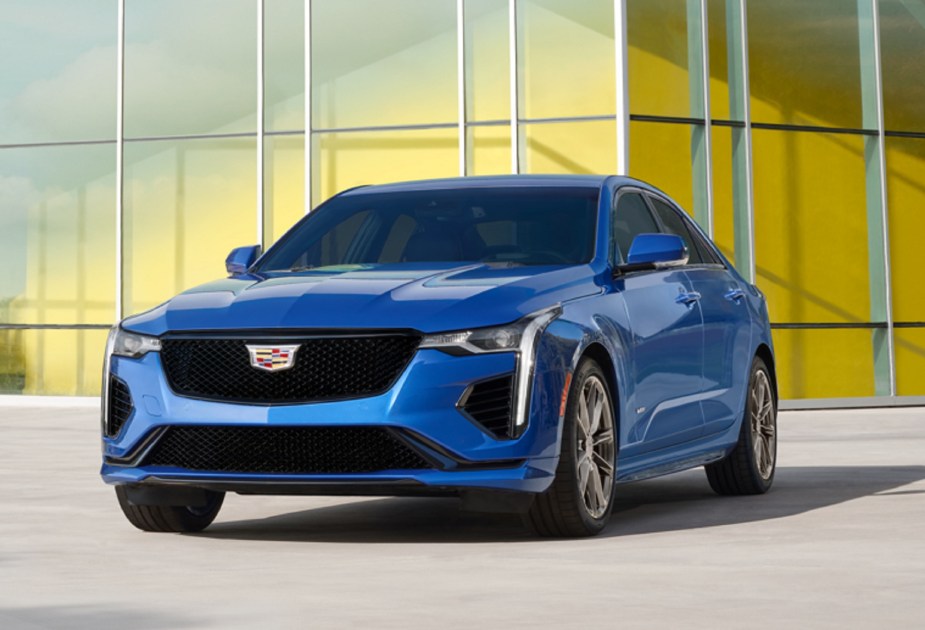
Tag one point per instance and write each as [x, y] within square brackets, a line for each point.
[613, 258]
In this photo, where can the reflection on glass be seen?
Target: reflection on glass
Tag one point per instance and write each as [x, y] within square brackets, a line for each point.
[284, 64]
[58, 60]
[567, 58]
[51, 362]
[905, 161]
[190, 67]
[811, 226]
[489, 150]
[719, 59]
[187, 204]
[902, 49]
[723, 215]
[571, 147]
[660, 154]
[352, 159]
[383, 63]
[824, 363]
[910, 361]
[284, 184]
[57, 234]
[658, 57]
[487, 56]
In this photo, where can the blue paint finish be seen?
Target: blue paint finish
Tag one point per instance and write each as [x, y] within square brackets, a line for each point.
[656, 248]
[680, 363]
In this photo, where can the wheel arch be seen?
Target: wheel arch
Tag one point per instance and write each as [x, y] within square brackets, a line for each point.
[599, 354]
[764, 353]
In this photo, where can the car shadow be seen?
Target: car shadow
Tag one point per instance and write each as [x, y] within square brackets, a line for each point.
[674, 503]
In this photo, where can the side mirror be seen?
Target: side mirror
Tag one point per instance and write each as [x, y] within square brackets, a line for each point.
[241, 258]
[655, 251]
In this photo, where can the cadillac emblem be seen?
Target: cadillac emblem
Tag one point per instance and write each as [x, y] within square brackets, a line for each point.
[272, 358]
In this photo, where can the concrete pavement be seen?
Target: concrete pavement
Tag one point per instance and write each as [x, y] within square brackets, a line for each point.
[838, 543]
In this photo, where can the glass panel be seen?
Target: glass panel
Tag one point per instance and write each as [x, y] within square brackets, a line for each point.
[800, 55]
[567, 58]
[489, 150]
[811, 226]
[719, 60]
[902, 49]
[57, 234]
[905, 161]
[573, 147]
[660, 154]
[658, 57]
[351, 159]
[488, 91]
[824, 363]
[187, 72]
[187, 204]
[383, 63]
[51, 362]
[58, 63]
[723, 216]
[910, 361]
[284, 184]
[284, 64]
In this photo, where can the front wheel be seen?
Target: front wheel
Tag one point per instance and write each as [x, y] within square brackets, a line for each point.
[171, 518]
[749, 468]
[579, 501]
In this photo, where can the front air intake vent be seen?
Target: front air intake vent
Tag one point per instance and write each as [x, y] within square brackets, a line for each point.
[120, 406]
[490, 404]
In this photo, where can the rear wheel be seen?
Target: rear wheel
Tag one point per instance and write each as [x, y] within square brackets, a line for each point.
[171, 518]
[579, 501]
[749, 469]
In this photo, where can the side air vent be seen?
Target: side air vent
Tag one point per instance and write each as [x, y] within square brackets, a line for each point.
[490, 404]
[120, 406]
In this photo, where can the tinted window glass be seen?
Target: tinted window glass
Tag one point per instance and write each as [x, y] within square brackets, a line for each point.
[631, 219]
[507, 225]
[674, 224]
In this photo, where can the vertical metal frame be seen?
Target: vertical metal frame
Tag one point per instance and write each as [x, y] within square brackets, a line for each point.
[514, 84]
[749, 167]
[260, 123]
[461, 83]
[698, 52]
[120, 160]
[621, 66]
[309, 162]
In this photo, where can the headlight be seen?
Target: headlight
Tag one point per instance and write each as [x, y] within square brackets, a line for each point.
[127, 344]
[520, 337]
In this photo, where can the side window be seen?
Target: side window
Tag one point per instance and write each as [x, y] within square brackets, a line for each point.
[674, 224]
[631, 218]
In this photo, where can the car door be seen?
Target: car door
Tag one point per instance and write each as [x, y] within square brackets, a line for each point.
[666, 343]
[726, 326]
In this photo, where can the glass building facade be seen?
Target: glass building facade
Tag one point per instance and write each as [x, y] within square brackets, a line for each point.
[140, 140]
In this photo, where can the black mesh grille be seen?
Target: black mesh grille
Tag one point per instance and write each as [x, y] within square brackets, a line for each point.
[283, 450]
[324, 368]
[490, 404]
[120, 406]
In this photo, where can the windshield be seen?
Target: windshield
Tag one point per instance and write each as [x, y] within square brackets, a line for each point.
[525, 226]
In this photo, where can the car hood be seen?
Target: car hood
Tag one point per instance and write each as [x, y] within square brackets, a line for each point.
[428, 298]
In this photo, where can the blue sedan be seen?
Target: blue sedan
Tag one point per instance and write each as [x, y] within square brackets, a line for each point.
[527, 343]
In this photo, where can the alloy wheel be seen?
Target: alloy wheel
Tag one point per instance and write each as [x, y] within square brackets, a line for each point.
[595, 446]
[763, 424]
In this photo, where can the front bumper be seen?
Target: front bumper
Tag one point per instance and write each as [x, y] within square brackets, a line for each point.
[420, 407]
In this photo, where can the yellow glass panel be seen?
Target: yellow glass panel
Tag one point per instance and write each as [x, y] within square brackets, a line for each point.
[574, 147]
[383, 63]
[284, 64]
[658, 66]
[910, 361]
[52, 362]
[719, 59]
[804, 62]
[824, 363]
[902, 47]
[284, 184]
[567, 58]
[190, 67]
[660, 154]
[58, 63]
[723, 215]
[488, 91]
[489, 150]
[351, 159]
[187, 204]
[57, 234]
[905, 162]
[811, 226]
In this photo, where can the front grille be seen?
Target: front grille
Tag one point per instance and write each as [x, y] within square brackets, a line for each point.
[283, 450]
[490, 404]
[325, 368]
[119, 404]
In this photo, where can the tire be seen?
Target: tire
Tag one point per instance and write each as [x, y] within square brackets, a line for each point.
[170, 518]
[570, 507]
[750, 467]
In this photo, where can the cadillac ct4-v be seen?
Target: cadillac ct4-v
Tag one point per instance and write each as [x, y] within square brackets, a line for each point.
[527, 343]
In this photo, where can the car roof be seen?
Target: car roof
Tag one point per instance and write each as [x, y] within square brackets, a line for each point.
[492, 181]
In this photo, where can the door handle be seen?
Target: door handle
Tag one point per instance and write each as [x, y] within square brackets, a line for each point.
[687, 298]
[735, 295]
